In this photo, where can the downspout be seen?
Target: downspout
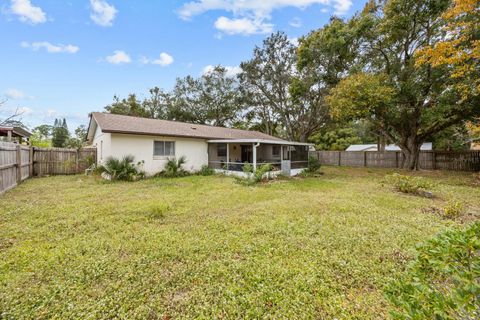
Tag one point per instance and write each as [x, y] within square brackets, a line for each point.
[255, 145]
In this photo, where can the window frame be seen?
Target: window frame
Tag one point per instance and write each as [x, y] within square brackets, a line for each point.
[164, 155]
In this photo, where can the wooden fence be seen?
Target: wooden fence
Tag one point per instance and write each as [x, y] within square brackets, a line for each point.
[59, 161]
[429, 160]
[18, 162]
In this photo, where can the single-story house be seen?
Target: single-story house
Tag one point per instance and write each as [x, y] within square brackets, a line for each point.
[156, 141]
[427, 146]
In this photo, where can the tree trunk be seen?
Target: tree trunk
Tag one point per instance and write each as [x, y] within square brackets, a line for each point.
[411, 153]
[381, 142]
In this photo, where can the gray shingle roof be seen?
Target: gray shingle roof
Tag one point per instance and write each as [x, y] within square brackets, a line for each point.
[114, 123]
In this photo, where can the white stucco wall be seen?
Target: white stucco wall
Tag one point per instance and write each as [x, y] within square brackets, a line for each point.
[141, 147]
[102, 141]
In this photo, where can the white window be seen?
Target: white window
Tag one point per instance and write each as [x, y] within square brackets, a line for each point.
[163, 148]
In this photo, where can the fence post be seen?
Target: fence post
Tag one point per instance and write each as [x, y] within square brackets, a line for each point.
[339, 158]
[77, 160]
[364, 158]
[19, 163]
[30, 162]
[396, 159]
[434, 160]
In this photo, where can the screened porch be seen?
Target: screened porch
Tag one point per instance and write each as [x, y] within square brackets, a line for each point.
[232, 155]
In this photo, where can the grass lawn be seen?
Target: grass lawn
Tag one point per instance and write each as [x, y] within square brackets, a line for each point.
[204, 247]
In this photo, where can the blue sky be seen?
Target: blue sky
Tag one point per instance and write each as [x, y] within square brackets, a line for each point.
[68, 58]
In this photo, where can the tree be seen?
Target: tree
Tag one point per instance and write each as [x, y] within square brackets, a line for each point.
[473, 128]
[79, 139]
[282, 98]
[213, 98]
[459, 47]
[41, 136]
[408, 102]
[44, 131]
[14, 119]
[158, 104]
[454, 138]
[338, 136]
[129, 107]
[60, 134]
[324, 56]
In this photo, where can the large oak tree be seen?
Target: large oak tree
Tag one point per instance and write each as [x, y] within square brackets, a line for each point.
[406, 100]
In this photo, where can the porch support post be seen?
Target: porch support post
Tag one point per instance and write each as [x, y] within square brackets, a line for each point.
[9, 136]
[228, 155]
[254, 149]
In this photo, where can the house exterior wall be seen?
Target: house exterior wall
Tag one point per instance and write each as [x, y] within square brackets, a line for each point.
[102, 141]
[141, 147]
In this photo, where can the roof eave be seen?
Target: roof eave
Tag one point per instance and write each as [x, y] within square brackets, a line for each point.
[264, 141]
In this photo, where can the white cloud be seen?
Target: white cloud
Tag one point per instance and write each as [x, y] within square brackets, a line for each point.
[27, 12]
[244, 26]
[102, 13]
[252, 16]
[295, 22]
[164, 60]
[14, 94]
[51, 48]
[118, 57]
[342, 6]
[232, 71]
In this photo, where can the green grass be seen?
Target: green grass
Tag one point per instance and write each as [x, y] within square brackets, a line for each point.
[205, 247]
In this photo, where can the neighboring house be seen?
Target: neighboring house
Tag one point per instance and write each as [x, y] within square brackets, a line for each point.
[11, 134]
[427, 146]
[155, 141]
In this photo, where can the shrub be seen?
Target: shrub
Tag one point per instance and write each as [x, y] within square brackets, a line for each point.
[313, 165]
[443, 281]
[313, 168]
[256, 176]
[453, 209]
[247, 167]
[205, 170]
[174, 168]
[409, 184]
[120, 169]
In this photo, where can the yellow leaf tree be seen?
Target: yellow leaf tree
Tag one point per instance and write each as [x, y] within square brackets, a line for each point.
[460, 47]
